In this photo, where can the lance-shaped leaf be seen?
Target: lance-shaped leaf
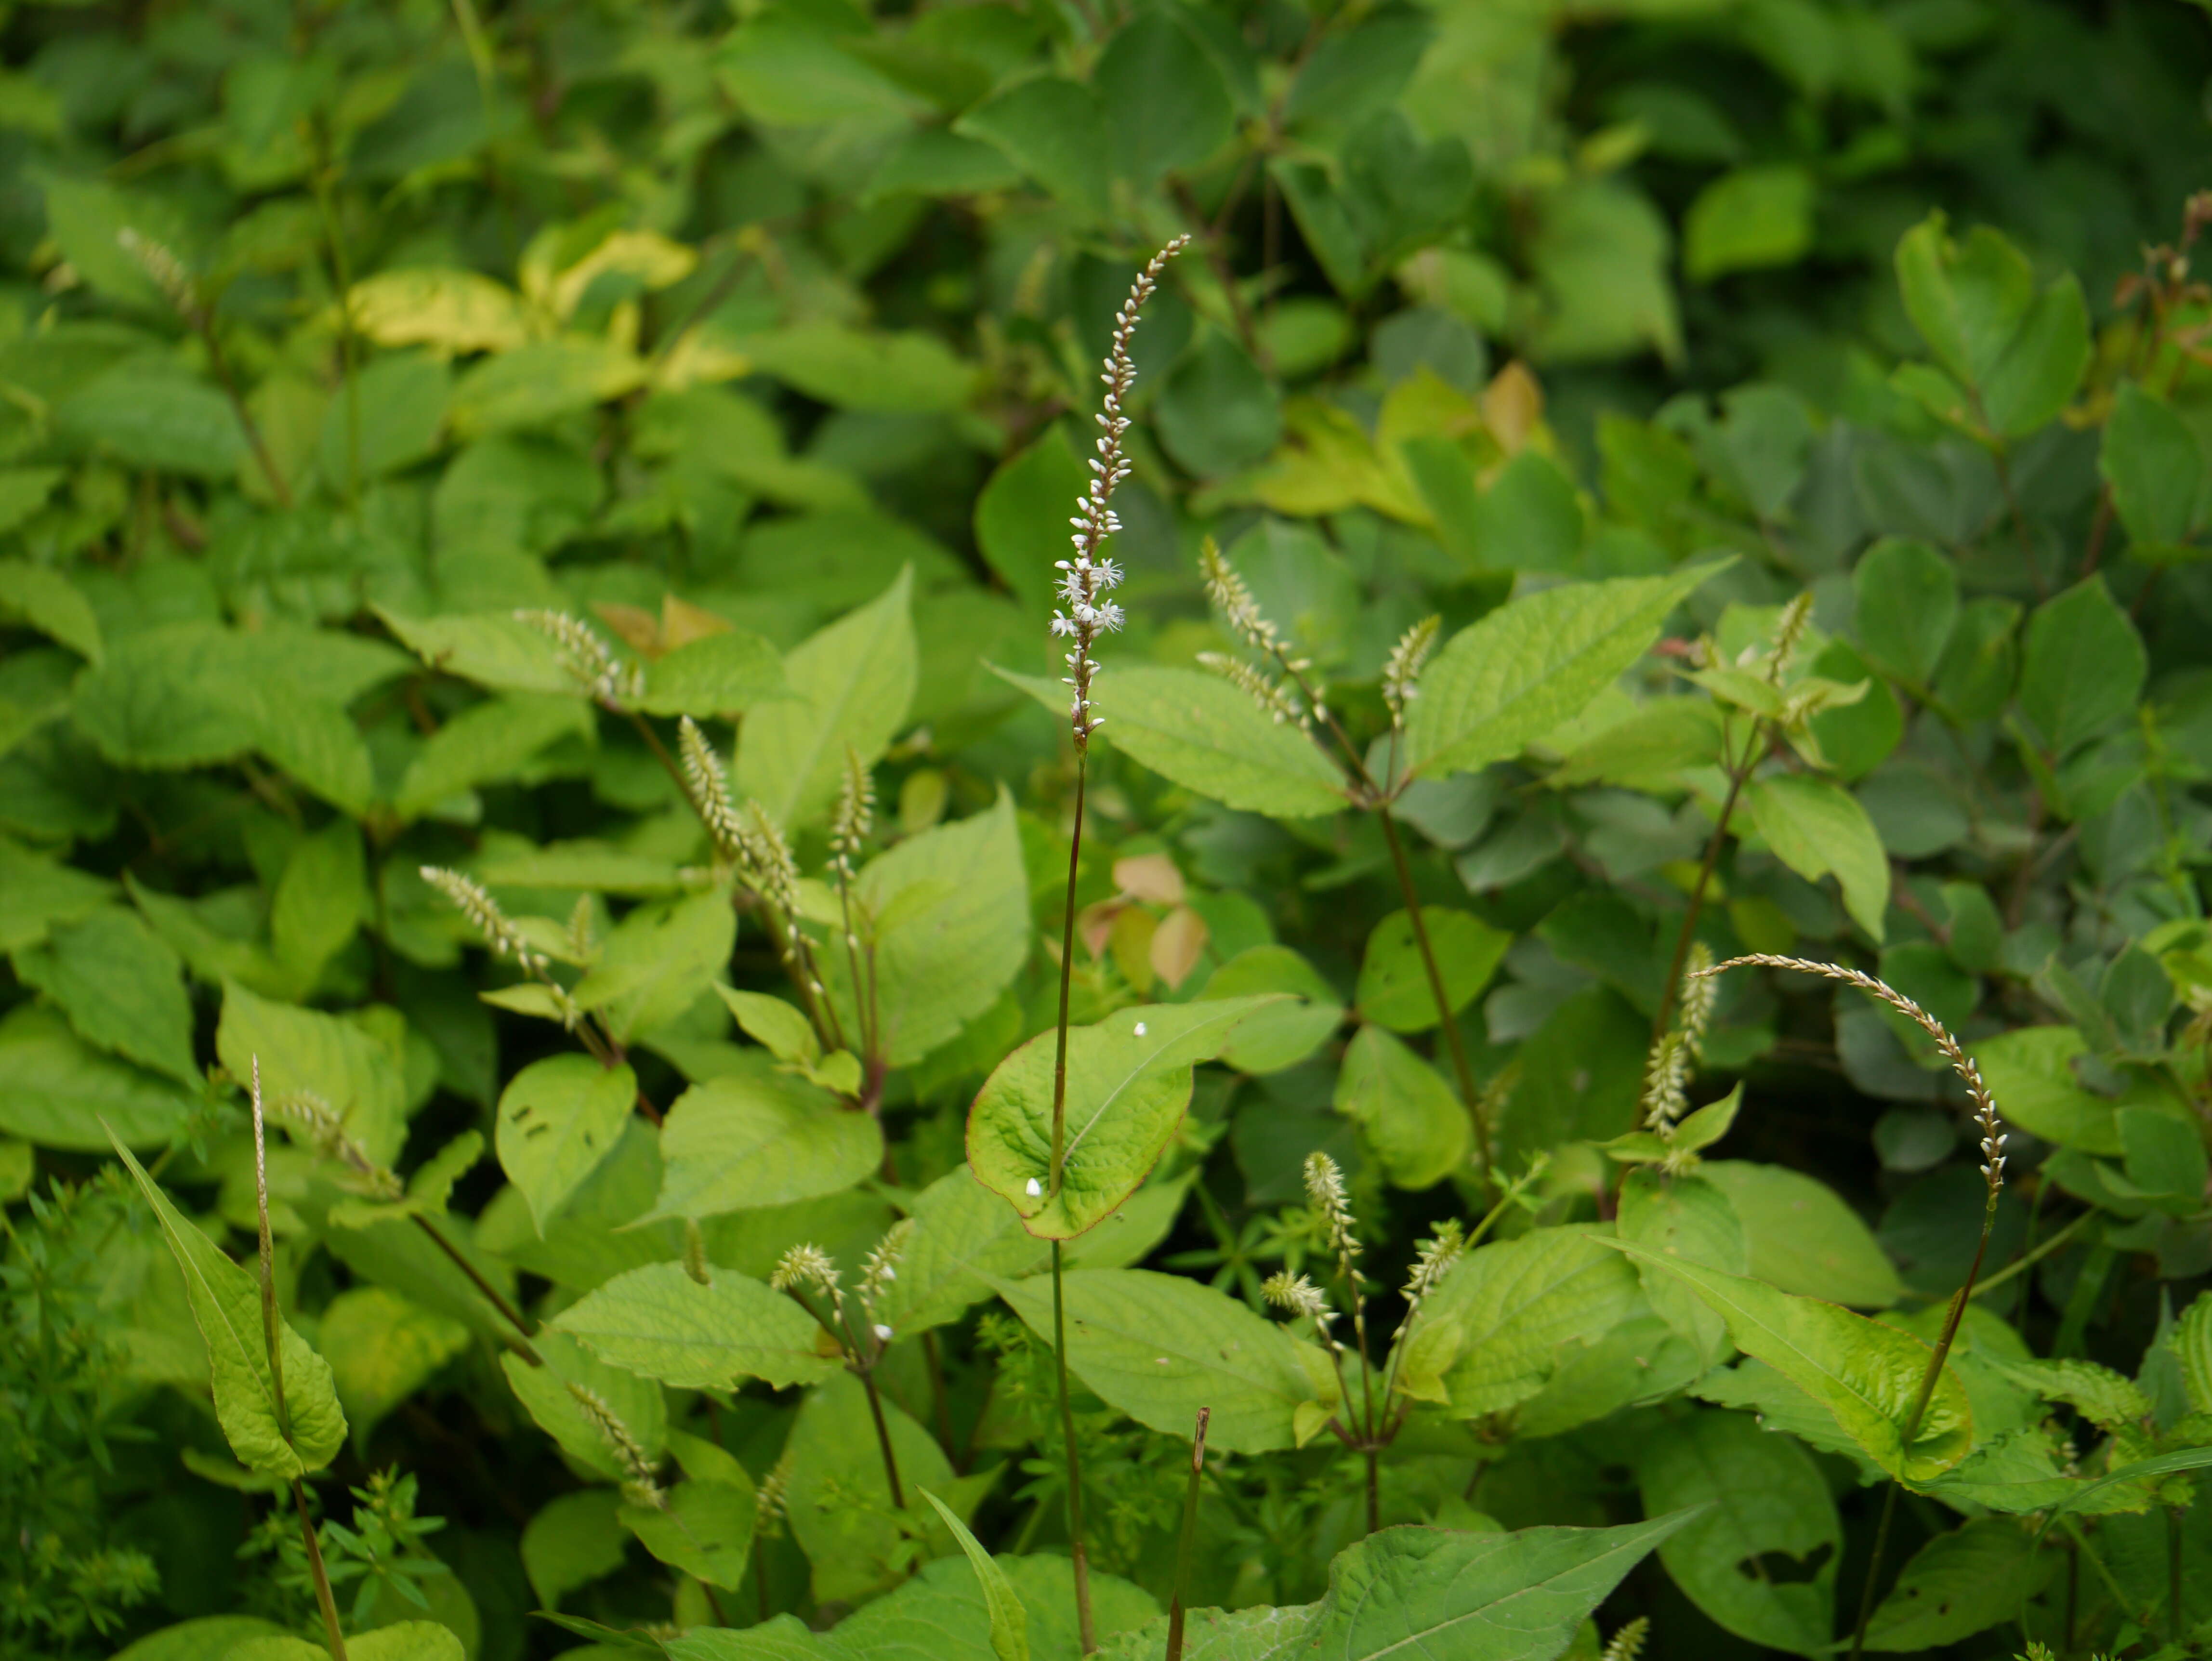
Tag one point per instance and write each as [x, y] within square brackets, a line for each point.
[1128, 1081]
[1009, 1622]
[1423, 1594]
[1534, 663]
[1864, 1374]
[737, 1142]
[558, 1120]
[226, 1305]
[1159, 1347]
[658, 1322]
[1206, 735]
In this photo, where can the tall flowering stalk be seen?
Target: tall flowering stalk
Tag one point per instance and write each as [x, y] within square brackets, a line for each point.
[1993, 1164]
[1083, 616]
[807, 1269]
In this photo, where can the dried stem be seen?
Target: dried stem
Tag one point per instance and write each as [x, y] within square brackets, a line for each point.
[1184, 1545]
[1993, 1162]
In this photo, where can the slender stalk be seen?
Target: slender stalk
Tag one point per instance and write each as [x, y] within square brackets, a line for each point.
[1066, 969]
[884, 1442]
[1452, 1040]
[272, 1328]
[1075, 1548]
[941, 1407]
[1738, 777]
[512, 1315]
[1183, 1545]
[342, 273]
[2176, 1628]
[2020, 1265]
[760, 1576]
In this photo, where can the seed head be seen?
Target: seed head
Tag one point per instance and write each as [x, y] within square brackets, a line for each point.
[1628, 1643]
[468, 898]
[1279, 705]
[880, 1267]
[855, 816]
[808, 1266]
[769, 1498]
[1294, 1294]
[708, 786]
[1324, 1194]
[694, 1254]
[160, 262]
[586, 657]
[639, 1472]
[1790, 634]
[1401, 674]
[1435, 1259]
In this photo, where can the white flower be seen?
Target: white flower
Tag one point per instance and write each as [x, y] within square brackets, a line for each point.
[1034, 1187]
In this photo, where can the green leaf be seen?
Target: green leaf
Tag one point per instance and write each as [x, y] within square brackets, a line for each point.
[61, 1091]
[1803, 1238]
[539, 382]
[1052, 129]
[1418, 1128]
[49, 603]
[854, 682]
[1128, 1081]
[1751, 219]
[2030, 1074]
[1165, 102]
[38, 891]
[493, 649]
[1394, 981]
[776, 1023]
[1217, 411]
[321, 900]
[570, 1541]
[1816, 828]
[121, 987]
[2083, 666]
[1907, 600]
[947, 910]
[226, 1304]
[381, 1350]
[1208, 736]
[1865, 1375]
[544, 1395]
[1689, 1219]
[1159, 1347]
[737, 1142]
[2156, 470]
[659, 1322]
[324, 1056]
[659, 961]
[722, 674]
[401, 402]
[2020, 351]
[1023, 513]
[162, 420]
[1533, 664]
[1523, 1306]
[703, 1528]
[557, 1119]
[1763, 1497]
[486, 743]
[2191, 1342]
[1009, 1622]
[1285, 1033]
[209, 1638]
[964, 1236]
[1956, 1585]
[402, 1641]
[906, 372]
[839, 1498]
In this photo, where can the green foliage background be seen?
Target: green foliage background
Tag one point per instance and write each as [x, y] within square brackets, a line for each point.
[764, 340]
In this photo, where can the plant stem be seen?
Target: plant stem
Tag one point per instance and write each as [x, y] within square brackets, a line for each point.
[1920, 1399]
[220, 365]
[2021, 1265]
[1188, 1538]
[2175, 1626]
[491, 1293]
[323, 1598]
[942, 1408]
[1468, 1095]
[1672, 990]
[1066, 969]
[1075, 1550]
[341, 272]
[884, 1442]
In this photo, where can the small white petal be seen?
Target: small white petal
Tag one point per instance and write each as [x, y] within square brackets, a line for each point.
[1140, 1029]
[883, 1333]
[1036, 1188]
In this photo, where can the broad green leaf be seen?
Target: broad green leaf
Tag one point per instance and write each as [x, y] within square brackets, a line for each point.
[2156, 470]
[539, 382]
[1959, 1584]
[659, 1322]
[854, 682]
[1282, 1034]
[2082, 668]
[209, 1638]
[1009, 1622]
[61, 1091]
[1532, 664]
[775, 1022]
[737, 1142]
[1751, 219]
[703, 1528]
[484, 744]
[1687, 1217]
[2018, 351]
[1159, 1347]
[1208, 736]
[49, 603]
[152, 416]
[402, 1641]
[571, 1540]
[839, 1498]
[1419, 1128]
[456, 311]
[2030, 1074]
[494, 649]
[2191, 1342]
[1816, 828]
[1907, 600]
[1393, 980]
[121, 987]
[784, 70]
[1803, 1238]
[1128, 1081]
[324, 1056]
[37, 892]
[1763, 1497]
[1424, 1593]
[905, 371]
[948, 912]
[381, 1350]
[226, 1305]
[659, 961]
[321, 900]
[1023, 513]
[964, 1236]
[1052, 129]
[1864, 1375]
[1165, 99]
[720, 674]
[1521, 1305]
[543, 1392]
[557, 1119]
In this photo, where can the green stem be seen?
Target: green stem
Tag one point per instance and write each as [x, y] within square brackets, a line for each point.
[884, 1442]
[1738, 777]
[1066, 969]
[323, 1600]
[2020, 1265]
[1177, 1603]
[2174, 1625]
[491, 1293]
[1468, 1095]
[341, 270]
[1920, 1399]
[1074, 1460]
